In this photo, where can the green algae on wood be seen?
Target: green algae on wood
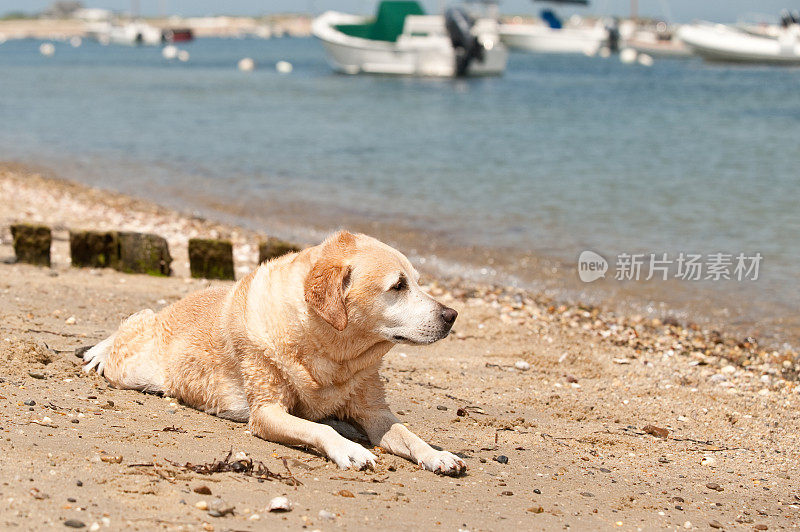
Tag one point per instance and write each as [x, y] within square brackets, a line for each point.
[211, 259]
[273, 248]
[32, 243]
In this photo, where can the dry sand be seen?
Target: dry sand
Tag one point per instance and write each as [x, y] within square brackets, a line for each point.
[570, 419]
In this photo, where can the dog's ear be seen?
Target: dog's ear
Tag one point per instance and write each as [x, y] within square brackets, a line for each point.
[327, 281]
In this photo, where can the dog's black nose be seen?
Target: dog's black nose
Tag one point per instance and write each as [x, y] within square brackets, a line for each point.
[449, 315]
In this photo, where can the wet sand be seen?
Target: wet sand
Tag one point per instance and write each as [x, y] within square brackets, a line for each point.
[565, 414]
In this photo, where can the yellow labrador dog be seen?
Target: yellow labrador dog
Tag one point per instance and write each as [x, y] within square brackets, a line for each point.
[298, 340]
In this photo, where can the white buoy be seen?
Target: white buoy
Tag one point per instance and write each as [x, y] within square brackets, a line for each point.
[47, 49]
[247, 64]
[604, 52]
[169, 52]
[645, 60]
[183, 56]
[75, 41]
[627, 56]
[284, 67]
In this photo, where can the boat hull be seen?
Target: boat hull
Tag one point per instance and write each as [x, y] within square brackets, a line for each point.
[431, 56]
[543, 39]
[722, 44]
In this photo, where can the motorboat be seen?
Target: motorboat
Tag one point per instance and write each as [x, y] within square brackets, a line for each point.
[658, 41]
[551, 35]
[718, 42]
[137, 33]
[402, 40]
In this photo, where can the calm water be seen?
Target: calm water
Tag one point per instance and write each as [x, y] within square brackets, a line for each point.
[560, 155]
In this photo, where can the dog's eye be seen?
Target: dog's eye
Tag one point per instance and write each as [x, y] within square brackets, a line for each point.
[401, 284]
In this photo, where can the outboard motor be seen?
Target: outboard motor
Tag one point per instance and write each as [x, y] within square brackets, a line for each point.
[785, 18]
[459, 25]
[613, 36]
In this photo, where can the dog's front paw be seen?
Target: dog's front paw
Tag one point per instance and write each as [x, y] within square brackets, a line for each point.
[350, 454]
[444, 463]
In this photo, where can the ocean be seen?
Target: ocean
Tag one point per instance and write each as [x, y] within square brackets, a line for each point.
[505, 179]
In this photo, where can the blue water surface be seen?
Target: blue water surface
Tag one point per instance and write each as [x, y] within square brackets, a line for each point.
[562, 154]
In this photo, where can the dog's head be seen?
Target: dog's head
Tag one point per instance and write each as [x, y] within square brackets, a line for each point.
[360, 284]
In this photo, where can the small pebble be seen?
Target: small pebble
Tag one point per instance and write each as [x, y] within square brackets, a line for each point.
[345, 493]
[687, 524]
[587, 494]
[441, 407]
[714, 486]
[522, 365]
[201, 505]
[30, 402]
[70, 321]
[325, 515]
[503, 459]
[219, 508]
[279, 504]
[708, 461]
[715, 524]
[202, 490]
[507, 493]
[537, 491]
[74, 523]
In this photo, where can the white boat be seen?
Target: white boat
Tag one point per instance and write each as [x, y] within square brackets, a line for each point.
[718, 42]
[551, 35]
[131, 33]
[136, 33]
[658, 41]
[541, 38]
[402, 40]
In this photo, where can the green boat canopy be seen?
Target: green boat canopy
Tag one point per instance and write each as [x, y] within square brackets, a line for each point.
[388, 24]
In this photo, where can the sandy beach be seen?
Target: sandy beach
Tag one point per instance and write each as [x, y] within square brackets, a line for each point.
[568, 416]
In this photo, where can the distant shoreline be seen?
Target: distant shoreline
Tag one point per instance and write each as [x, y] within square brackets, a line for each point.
[45, 198]
[294, 25]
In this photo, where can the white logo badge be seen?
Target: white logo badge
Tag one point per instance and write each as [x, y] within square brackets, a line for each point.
[591, 266]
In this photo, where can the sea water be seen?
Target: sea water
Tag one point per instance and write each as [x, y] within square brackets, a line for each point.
[507, 179]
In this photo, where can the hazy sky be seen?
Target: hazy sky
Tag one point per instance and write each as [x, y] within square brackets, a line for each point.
[676, 10]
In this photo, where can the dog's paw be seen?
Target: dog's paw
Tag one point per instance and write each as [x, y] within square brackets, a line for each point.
[95, 358]
[444, 463]
[350, 454]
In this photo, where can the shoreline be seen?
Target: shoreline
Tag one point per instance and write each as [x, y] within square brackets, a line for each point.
[732, 314]
[99, 208]
[566, 415]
